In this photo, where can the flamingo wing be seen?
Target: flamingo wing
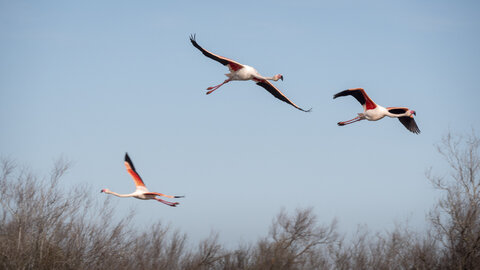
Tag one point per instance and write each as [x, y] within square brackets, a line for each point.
[397, 110]
[360, 95]
[410, 124]
[232, 65]
[131, 170]
[276, 93]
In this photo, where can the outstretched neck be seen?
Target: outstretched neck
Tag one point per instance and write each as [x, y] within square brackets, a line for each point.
[396, 112]
[274, 78]
[118, 195]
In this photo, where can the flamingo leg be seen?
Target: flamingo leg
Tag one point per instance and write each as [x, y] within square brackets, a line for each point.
[213, 88]
[173, 204]
[356, 119]
[169, 196]
[164, 195]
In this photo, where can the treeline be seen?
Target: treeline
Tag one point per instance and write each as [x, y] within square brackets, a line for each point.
[43, 226]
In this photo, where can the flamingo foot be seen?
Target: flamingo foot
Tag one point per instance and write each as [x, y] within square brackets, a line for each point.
[172, 204]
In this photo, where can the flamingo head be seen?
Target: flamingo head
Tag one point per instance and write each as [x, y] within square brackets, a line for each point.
[278, 77]
[104, 190]
[412, 113]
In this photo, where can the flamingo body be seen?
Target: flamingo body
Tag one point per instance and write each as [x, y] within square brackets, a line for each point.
[375, 112]
[240, 72]
[244, 73]
[141, 192]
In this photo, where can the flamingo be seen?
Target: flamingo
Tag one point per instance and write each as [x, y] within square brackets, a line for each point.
[240, 72]
[374, 112]
[141, 191]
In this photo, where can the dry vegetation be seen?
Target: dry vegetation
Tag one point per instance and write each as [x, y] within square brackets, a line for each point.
[45, 227]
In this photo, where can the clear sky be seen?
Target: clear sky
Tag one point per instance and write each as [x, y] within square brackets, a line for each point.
[91, 80]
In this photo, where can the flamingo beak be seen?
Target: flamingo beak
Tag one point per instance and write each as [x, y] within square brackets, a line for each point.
[281, 77]
[103, 190]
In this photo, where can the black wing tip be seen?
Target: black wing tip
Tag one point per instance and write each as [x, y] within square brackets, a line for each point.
[129, 161]
[416, 130]
[309, 110]
[341, 93]
[193, 41]
[268, 86]
[208, 54]
[410, 124]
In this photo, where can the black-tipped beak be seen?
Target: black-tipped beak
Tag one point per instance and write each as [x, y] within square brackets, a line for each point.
[281, 78]
[415, 113]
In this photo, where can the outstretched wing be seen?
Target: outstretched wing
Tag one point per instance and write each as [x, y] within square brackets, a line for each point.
[131, 170]
[276, 93]
[360, 95]
[232, 65]
[410, 124]
[397, 110]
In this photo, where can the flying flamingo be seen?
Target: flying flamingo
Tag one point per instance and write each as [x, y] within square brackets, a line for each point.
[374, 112]
[240, 72]
[141, 191]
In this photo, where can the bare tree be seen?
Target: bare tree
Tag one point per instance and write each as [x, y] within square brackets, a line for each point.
[43, 226]
[156, 248]
[241, 258]
[456, 217]
[209, 255]
[46, 227]
[294, 242]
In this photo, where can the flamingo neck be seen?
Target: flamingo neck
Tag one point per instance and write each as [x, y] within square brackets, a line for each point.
[393, 115]
[273, 78]
[118, 195]
[397, 112]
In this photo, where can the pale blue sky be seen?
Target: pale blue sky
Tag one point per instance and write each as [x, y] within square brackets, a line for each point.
[90, 80]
